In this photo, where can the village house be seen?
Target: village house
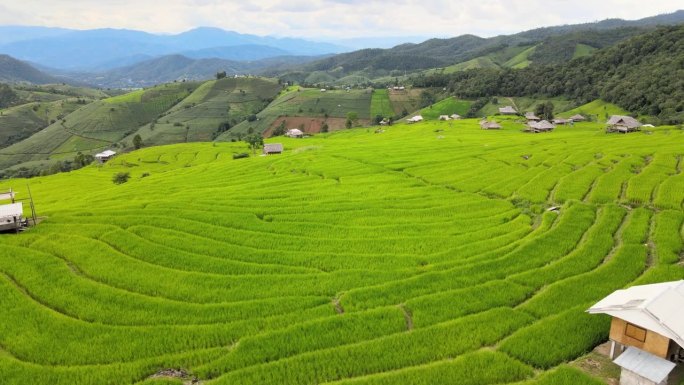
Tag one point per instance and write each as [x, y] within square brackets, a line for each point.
[560, 121]
[531, 117]
[508, 110]
[415, 119]
[487, 125]
[294, 133]
[646, 332]
[444, 117]
[578, 118]
[104, 156]
[455, 116]
[622, 124]
[273, 148]
[542, 126]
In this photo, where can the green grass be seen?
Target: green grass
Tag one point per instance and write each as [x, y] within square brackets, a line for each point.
[583, 50]
[407, 257]
[381, 104]
[521, 60]
[597, 110]
[448, 106]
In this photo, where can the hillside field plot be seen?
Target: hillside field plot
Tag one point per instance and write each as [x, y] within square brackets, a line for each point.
[405, 257]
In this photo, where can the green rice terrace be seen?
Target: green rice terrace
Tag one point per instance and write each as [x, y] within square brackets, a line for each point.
[433, 253]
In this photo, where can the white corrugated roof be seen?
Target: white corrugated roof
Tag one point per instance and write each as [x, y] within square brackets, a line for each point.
[645, 364]
[11, 210]
[658, 307]
[105, 154]
[6, 196]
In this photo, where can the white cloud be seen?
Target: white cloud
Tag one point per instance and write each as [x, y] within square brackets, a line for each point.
[327, 18]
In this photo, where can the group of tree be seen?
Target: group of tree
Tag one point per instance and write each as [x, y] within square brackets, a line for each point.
[644, 75]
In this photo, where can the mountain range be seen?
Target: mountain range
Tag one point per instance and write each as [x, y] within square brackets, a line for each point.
[102, 49]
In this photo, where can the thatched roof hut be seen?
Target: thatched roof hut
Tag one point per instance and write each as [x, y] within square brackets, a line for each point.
[508, 110]
[622, 124]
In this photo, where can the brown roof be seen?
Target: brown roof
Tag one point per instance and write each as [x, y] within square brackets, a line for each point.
[531, 116]
[507, 110]
[486, 125]
[577, 118]
[544, 125]
[625, 121]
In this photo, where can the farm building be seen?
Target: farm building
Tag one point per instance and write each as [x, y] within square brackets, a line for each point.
[444, 117]
[508, 110]
[455, 116]
[487, 125]
[646, 332]
[104, 156]
[622, 124]
[560, 121]
[11, 214]
[531, 117]
[415, 119]
[294, 133]
[273, 148]
[543, 126]
[577, 118]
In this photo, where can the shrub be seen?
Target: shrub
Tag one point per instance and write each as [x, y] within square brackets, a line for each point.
[121, 177]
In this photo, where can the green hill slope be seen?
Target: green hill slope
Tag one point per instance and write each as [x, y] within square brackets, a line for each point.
[199, 116]
[399, 258]
[97, 125]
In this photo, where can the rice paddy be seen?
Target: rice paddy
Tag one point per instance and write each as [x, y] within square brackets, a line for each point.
[406, 257]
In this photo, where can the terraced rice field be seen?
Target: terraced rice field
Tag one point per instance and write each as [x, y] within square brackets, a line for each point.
[408, 257]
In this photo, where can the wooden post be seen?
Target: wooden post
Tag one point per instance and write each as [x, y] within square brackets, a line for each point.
[33, 208]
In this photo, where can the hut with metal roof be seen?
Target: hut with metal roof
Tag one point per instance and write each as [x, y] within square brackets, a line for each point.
[646, 332]
[104, 156]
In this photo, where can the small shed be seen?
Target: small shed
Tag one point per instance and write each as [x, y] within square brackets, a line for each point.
[622, 124]
[323, 90]
[444, 117]
[643, 368]
[455, 116]
[649, 321]
[104, 156]
[531, 117]
[578, 118]
[487, 125]
[415, 119]
[294, 133]
[560, 121]
[543, 126]
[508, 110]
[11, 216]
[273, 148]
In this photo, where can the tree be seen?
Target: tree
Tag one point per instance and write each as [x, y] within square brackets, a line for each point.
[324, 127]
[352, 117]
[281, 129]
[544, 110]
[348, 123]
[220, 75]
[255, 141]
[121, 177]
[137, 141]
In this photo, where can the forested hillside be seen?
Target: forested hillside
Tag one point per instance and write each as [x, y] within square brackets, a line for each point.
[644, 75]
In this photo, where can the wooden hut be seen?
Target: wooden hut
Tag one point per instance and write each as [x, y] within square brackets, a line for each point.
[508, 110]
[487, 125]
[444, 117]
[646, 332]
[531, 117]
[560, 121]
[273, 148]
[577, 118]
[415, 119]
[455, 116]
[543, 126]
[622, 124]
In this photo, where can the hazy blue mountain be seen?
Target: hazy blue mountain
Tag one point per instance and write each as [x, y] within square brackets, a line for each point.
[103, 48]
[244, 52]
[11, 33]
[17, 71]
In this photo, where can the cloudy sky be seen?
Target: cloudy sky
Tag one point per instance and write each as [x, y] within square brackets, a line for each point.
[319, 19]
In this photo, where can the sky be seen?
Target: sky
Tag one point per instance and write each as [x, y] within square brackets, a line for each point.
[327, 19]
